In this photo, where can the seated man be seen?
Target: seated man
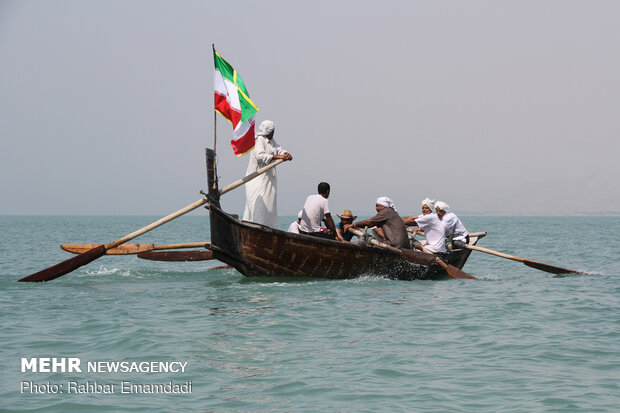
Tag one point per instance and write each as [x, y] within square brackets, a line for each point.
[315, 211]
[433, 228]
[345, 219]
[294, 227]
[387, 218]
[455, 230]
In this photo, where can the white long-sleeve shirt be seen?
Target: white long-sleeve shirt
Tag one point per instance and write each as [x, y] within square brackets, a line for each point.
[452, 223]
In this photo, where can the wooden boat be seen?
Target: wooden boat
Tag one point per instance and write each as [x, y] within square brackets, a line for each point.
[257, 250]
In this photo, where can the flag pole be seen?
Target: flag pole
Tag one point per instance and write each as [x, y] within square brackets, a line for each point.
[214, 114]
[214, 133]
[214, 142]
[214, 128]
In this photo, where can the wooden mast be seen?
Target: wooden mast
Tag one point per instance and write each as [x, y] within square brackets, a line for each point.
[211, 170]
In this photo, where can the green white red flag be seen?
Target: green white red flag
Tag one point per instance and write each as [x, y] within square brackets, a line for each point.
[232, 101]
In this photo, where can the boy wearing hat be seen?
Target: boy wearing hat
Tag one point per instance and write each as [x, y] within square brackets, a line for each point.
[347, 217]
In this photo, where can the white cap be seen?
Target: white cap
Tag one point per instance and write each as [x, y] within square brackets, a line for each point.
[265, 128]
[386, 202]
[442, 206]
[430, 203]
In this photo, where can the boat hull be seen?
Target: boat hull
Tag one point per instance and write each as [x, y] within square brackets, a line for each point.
[256, 250]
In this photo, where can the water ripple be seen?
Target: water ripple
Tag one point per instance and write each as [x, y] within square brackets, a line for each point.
[518, 340]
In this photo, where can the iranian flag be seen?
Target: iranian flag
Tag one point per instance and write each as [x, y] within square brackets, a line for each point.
[233, 102]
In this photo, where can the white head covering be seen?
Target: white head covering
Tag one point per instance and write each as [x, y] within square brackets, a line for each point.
[265, 128]
[300, 214]
[430, 203]
[386, 202]
[442, 206]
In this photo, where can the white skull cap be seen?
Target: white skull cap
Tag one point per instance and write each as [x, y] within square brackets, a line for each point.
[265, 128]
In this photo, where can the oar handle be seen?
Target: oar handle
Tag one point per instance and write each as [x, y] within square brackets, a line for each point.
[374, 241]
[414, 256]
[157, 223]
[192, 206]
[181, 246]
[249, 177]
[492, 252]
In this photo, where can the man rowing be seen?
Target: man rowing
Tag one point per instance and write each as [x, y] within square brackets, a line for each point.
[434, 230]
[455, 230]
[393, 230]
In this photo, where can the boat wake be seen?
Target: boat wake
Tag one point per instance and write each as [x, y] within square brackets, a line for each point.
[580, 273]
[108, 271]
[488, 277]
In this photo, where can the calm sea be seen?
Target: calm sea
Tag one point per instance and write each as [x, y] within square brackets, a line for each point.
[518, 340]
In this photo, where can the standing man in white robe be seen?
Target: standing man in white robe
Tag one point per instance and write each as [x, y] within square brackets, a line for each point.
[261, 205]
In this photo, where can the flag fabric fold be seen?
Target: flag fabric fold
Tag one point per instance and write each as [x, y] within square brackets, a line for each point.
[232, 101]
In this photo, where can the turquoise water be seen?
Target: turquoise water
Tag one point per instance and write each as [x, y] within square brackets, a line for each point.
[518, 340]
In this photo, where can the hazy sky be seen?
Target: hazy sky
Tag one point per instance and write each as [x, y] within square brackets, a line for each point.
[492, 106]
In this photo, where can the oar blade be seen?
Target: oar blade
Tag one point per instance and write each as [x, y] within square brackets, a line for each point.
[549, 268]
[176, 255]
[454, 272]
[66, 266]
[417, 257]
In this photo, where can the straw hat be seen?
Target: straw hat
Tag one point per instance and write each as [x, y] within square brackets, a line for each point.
[347, 214]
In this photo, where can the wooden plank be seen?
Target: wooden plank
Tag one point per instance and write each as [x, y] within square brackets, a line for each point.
[126, 249]
[123, 249]
[176, 255]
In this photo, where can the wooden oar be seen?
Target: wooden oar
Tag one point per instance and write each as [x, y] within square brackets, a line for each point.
[534, 264]
[251, 176]
[76, 262]
[414, 256]
[419, 257]
[127, 249]
[84, 258]
[451, 270]
[176, 255]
